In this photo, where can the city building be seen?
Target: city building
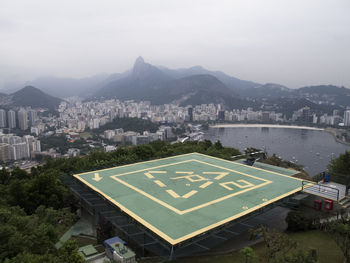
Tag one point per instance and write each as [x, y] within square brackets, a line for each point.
[20, 151]
[347, 118]
[5, 152]
[11, 117]
[190, 114]
[32, 116]
[221, 115]
[265, 116]
[17, 148]
[2, 118]
[22, 119]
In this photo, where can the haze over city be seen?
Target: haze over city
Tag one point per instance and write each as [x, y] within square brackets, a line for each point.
[294, 43]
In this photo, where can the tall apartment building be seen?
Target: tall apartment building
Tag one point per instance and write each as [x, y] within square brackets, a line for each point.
[32, 116]
[5, 152]
[190, 113]
[11, 117]
[347, 118]
[33, 143]
[22, 119]
[2, 118]
[20, 151]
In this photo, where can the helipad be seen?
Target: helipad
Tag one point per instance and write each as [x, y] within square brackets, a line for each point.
[183, 196]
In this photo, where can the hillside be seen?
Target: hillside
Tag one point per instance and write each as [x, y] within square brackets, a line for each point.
[199, 89]
[35, 98]
[147, 82]
[327, 94]
[266, 91]
[288, 105]
[231, 82]
[144, 78]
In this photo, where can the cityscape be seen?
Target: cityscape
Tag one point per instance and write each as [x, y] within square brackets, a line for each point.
[75, 117]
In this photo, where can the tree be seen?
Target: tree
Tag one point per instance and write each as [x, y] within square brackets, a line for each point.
[218, 145]
[340, 232]
[33, 258]
[297, 221]
[248, 254]
[339, 169]
[276, 243]
[4, 175]
[300, 257]
[68, 253]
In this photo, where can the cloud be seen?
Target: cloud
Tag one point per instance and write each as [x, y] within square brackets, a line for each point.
[291, 42]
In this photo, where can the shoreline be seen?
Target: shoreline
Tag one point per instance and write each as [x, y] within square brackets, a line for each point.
[238, 125]
[334, 133]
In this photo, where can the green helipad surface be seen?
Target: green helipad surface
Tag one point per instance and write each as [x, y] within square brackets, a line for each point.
[183, 196]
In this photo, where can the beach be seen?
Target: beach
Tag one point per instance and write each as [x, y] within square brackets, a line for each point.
[239, 125]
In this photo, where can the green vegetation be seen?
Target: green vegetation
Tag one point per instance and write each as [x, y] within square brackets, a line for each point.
[275, 160]
[298, 221]
[339, 169]
[85, 135]
[310, 244]
[277, 244]
[340, 232]
[248, 254]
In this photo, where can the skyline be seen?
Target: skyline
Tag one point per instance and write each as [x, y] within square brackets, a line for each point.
[294, 44]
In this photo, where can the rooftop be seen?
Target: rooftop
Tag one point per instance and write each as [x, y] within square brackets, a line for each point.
[181, 197]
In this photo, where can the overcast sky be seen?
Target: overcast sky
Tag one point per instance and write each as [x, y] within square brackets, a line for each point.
[294, 42]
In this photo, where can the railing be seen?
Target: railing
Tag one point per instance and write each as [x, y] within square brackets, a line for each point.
[320, 190]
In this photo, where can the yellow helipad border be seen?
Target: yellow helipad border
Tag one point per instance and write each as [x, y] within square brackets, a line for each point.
[199, 231]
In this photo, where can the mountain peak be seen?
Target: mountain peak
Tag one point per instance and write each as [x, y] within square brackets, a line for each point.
[140, 67]
[30, 88]
[144, 71]
[34, 97]
[139, 61]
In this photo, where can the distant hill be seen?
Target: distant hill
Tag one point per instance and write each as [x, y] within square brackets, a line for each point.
[199, 89]
[33, 97]
[192, 85]
[288, 105]
[326, 94]
[266, 91]
[147, 82]
[231, 82]
[322, 94]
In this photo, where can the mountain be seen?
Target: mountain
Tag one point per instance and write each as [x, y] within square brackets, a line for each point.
[196, 90]
[288, 105]
[33, 97]
[147, 82]
[326, 94]
[266, 91]
[231, 82]
[142, 80]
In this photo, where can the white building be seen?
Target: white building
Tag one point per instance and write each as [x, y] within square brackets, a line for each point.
[347, 118]
[22, 119]
[2, 118]
[11, 117]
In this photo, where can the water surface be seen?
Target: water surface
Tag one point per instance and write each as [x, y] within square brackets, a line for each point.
[311, 148]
